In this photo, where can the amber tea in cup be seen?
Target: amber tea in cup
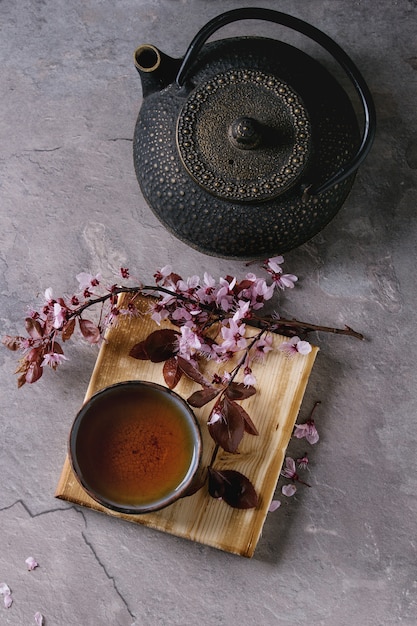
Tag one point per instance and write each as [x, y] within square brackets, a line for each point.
[135, 446]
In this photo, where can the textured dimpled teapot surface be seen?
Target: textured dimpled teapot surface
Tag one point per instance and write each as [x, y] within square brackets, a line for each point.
[262, 153]
[251, 228]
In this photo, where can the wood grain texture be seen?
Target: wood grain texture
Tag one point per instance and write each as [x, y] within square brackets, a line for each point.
[281, 383]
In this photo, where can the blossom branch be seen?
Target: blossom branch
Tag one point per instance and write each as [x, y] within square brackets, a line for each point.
[284, 326]
[192, 305]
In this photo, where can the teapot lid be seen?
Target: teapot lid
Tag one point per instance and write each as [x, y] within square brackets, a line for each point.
[244, 135]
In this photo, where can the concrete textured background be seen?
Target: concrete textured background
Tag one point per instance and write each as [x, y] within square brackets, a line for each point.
[339, 554]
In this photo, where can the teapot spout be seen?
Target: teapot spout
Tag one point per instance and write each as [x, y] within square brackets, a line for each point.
[156, 69]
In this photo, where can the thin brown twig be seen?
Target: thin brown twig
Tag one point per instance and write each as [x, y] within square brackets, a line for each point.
[280, 325]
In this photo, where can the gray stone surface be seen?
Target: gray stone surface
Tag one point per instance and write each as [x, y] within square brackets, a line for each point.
[342, 553]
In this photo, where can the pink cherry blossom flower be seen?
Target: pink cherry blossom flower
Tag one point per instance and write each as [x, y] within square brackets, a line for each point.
[216, 415]
[285, 281]
[31, 563]
[289, 490]
[189, 286]
[224, 295]
[253, 292]
[307, 430]
[295, 346]
[206, 292]
[249, 379]
[281, 280]
[160, 309]
[303, 462]
[262, 347]
[241, 311]
[260, 292]
[86, 281]
[289, 471]
[163, 273]
[207, 350]
[181, 314]
[274, 264]
[53, 359]
[189, 343]
[233, 337]
[130, 311]
[48, 295]
[59, 314]
[159, 313]
[225, 378]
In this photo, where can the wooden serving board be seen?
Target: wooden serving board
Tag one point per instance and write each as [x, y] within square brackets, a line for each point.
[281, 382]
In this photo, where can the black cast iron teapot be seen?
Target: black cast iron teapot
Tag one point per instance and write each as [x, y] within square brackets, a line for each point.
[247, 147]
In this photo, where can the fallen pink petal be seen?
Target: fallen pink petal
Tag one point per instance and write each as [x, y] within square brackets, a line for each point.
[8, 600]
[4, 589]
[31, 563]
[289, 490]
[275, 504]
[38, 618]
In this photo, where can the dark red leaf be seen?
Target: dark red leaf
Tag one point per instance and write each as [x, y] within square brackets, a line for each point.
[216, 483]
[249, 426]
[34, 355]
[159, 346]
[12, 343]
[34, 372]
[192, 372]
[203, 396]
[89, 331]
[244, 284]
[139, 351]
[172, 372]
[56, 347]
[21, 381]
[228, 430]
[239, 391]
[172, 278]
[233, 487]
[68, 329]
[33, 328]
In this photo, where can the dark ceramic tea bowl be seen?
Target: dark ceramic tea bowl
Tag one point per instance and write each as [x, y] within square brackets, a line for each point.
[135, 447]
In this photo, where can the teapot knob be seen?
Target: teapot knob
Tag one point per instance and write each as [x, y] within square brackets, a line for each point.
[245, 133]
